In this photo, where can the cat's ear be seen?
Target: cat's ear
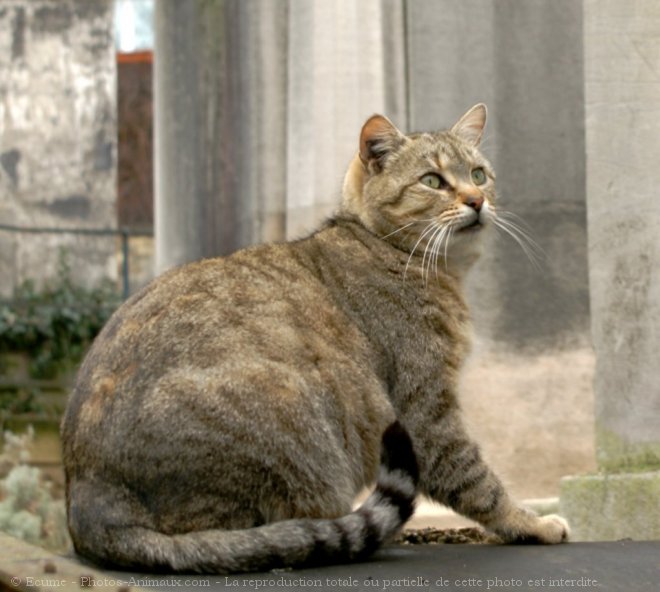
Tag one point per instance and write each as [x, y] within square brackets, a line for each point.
[471, 126]
[378, 139]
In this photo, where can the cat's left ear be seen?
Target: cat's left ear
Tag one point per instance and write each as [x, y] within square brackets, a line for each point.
[378, 139]
[471, 126]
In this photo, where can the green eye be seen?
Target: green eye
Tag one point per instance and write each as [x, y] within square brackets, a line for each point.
[478, 176]
[434, 181]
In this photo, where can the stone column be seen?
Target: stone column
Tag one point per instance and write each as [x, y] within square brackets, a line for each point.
[623, 142]
[259, 106]
[58, 138]
[220, 126]
[532, 360]
[345, 63]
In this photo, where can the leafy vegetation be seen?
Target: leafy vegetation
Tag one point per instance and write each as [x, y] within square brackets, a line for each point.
[15, 401]
[55, 324]
[50, 329]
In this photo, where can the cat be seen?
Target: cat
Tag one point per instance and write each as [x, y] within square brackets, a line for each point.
[228, 414]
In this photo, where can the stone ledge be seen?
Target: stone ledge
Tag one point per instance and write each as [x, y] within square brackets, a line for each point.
[611, 507]
[623, 565]
[26, 567]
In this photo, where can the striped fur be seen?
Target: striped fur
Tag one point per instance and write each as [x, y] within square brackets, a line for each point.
[229, 413]
[289, 543]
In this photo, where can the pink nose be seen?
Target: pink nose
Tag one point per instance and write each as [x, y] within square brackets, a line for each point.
[474, 202]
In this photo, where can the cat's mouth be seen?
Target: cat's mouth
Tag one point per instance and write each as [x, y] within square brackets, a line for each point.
[474, 226]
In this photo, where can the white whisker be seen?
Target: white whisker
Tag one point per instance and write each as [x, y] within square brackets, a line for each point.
[445, 237]
[533, 245]
[520, 226]
[430, 244]
[451, 231]
[428, 229]
[436, 249]
[533, 251]
[402, 228]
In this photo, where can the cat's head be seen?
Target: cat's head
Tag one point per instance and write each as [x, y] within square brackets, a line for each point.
[427, 193]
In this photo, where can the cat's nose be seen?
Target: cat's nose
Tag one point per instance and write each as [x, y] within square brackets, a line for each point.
[474, 202]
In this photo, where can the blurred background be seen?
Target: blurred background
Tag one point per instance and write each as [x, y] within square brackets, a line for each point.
[140, 134]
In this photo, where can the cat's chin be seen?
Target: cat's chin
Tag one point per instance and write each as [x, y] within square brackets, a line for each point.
[466, 245]
[475, 227]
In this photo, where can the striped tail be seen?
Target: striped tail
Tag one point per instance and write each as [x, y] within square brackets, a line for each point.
[289, 543]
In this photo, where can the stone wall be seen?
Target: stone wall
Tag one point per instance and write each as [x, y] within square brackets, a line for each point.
[622, 87]
[623, 145]
[259, 107]
[57, 137]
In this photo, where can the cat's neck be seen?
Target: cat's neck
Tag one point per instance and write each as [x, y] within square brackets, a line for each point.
[415, 263]
[412, 267]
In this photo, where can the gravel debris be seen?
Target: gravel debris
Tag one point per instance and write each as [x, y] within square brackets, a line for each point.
[447, 536]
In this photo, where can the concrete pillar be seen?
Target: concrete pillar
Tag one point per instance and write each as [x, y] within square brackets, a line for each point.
[58, 137]
[220, 126]
[623, 143]
[258, 111]
[345, 63]
[532, 360]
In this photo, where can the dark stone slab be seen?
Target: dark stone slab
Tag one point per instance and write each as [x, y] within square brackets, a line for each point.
[626, 566]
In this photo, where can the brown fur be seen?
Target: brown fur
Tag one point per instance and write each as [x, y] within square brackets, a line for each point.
[236, 392]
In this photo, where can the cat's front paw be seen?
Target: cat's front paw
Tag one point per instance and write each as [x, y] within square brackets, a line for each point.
[554, 529]
[547, 530]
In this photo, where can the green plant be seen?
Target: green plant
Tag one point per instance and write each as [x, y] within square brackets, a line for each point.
[15, 401]
[27, 508]
[55, 324]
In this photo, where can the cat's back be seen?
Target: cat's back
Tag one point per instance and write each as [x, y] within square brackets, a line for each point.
[195, 312]
[260, 319]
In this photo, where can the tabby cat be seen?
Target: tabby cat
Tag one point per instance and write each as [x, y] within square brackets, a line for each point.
[228, 414]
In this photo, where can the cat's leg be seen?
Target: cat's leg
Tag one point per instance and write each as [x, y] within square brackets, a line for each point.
[454, 473]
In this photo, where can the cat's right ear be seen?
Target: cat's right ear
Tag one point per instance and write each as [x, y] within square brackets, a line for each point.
[378, 139]
[471, 126]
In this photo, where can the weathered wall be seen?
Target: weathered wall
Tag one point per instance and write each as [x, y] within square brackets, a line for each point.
[57, 136]
[339, 75]
[259, 107]
[527, 390]
[622, 88]
[623, 145]
[220, 124]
